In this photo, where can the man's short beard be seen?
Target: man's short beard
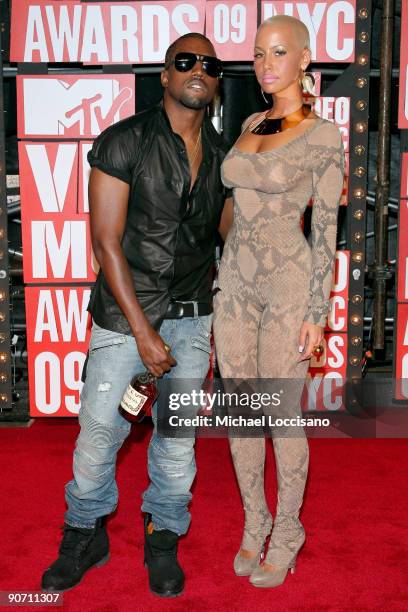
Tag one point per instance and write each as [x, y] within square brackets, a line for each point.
[194, 102]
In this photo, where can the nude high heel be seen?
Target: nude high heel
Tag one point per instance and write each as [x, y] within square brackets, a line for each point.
[272, 572]
[244, 566]
[269, 578]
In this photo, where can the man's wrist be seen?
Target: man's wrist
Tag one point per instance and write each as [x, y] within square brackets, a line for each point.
[140, 327]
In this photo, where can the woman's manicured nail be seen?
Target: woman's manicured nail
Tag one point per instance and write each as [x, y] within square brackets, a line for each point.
[301, 349]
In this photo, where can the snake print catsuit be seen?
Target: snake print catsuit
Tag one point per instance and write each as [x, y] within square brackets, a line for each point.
[270, 281]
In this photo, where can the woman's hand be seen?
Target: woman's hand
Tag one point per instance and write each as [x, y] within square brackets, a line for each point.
[310, 336]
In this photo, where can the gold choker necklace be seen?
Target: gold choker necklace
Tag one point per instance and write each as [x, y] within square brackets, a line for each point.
[274, 126]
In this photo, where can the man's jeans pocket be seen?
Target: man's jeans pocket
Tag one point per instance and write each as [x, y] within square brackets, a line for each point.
[113, 360]
[202, 338]
[104, 338]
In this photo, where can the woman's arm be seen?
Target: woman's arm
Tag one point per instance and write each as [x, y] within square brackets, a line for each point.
[327, 175]
[227, 218]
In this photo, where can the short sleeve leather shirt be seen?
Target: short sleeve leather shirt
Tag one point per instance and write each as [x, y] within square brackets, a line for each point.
[169, 238]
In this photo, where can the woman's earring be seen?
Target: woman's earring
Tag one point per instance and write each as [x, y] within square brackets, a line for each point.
[264, 97]
[308, 83]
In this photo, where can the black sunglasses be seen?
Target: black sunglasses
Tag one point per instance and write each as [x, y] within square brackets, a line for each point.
[183, 62]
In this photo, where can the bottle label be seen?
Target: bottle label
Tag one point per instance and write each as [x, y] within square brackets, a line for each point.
[133, 401]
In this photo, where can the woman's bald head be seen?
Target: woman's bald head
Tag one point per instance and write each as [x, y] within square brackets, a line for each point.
[298, 28]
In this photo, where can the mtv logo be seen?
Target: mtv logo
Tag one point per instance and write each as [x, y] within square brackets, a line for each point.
[73, 106]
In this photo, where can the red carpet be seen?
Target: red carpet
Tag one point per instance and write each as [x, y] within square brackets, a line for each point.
[355, 516]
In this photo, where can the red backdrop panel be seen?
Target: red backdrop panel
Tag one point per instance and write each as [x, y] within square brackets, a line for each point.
[56, 237]
[338, 316]
[83, 173]
[58, 329]
[72, 106]
[231, 26]
[401, 336]
[403, 252]
[327, 373]
[331, 26]
[401, 353]
[100, 32]
[404, 176]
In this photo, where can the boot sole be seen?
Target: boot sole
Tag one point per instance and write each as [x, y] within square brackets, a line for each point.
[98, 564]
[167, 594]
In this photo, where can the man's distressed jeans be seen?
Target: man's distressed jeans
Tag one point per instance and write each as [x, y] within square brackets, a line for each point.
[113, 361]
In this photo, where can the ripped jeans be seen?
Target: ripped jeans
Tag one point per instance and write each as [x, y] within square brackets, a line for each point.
[113, 361]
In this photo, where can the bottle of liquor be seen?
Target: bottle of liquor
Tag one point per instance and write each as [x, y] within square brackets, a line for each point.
[139, 397]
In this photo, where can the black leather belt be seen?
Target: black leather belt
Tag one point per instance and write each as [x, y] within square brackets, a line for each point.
[178, 310]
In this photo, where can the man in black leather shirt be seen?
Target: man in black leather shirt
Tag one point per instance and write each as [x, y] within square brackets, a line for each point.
[156, 200]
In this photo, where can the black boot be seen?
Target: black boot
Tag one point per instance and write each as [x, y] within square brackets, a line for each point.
[166, 578]
[80, 550]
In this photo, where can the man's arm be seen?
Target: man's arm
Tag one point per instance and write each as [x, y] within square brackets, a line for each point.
[227, 218]
[108, 203]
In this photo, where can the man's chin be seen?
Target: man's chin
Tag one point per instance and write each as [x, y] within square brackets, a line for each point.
[194, 102]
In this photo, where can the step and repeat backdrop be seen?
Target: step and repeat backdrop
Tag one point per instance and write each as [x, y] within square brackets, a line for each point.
[55, 223]
[59, 115]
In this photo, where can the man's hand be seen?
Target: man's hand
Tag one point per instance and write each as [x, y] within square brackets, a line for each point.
[310, 336]
[153, 352]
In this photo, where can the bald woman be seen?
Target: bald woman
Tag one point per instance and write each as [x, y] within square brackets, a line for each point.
[271, 310]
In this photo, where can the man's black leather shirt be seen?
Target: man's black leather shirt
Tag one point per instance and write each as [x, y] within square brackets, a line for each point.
[169, 239]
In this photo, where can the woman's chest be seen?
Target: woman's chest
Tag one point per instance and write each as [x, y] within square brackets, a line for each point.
[273, 171]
